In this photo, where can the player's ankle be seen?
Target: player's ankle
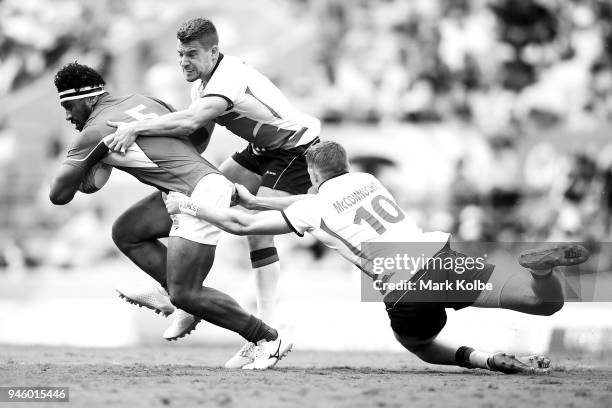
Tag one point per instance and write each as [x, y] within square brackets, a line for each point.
[470, 358]
[540, 274]
[256, 330]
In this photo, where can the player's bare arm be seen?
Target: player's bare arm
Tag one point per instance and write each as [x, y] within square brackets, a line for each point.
[65, 184]
[233, 221]
[175, 124]
[249, 201]
[69, 176]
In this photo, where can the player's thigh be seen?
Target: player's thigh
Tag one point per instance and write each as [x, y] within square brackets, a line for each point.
[213, 190]
[502, 283]
[193, 240]
[517, 293]
[188, 264]
[192, 244]
[145, 220]
[269, 192]
[415, 324]
[236, 173]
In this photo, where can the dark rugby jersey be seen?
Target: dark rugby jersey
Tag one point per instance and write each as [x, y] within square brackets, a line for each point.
[167, 163]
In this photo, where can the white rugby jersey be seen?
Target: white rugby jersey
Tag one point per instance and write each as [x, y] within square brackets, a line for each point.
[258, 112]
[355, 208]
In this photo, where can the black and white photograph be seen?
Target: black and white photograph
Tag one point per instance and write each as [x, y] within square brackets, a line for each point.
[306, 203]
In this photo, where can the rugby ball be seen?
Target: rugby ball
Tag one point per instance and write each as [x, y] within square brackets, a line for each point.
[95, 178]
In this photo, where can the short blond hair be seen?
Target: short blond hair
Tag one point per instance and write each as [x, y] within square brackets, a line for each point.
[198, 29]
[328, 158]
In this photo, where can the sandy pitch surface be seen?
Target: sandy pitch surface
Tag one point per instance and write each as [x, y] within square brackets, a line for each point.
[188, 376]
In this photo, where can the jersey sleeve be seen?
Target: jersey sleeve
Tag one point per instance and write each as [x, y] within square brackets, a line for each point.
[87, 149]
[303, 216]
[194, 93]
[228, 82]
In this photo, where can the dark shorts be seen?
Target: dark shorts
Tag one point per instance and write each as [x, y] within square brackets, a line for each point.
[421, 314]
[283, 170]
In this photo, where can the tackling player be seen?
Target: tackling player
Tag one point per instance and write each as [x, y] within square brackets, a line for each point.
[169, 164]
[370, 214]
[248, 104]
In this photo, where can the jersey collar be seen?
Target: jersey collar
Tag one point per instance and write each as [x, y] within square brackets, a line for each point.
[202, 84]
[97, 108]
[217, 64]
[331, 178]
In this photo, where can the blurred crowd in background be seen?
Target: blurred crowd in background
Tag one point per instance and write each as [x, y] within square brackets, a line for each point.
[496, 63]
[526, 82]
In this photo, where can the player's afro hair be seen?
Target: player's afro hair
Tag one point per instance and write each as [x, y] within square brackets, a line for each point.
[75, 75]
[201, 29]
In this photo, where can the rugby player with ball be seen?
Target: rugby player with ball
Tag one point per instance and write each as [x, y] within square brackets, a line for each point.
[168, 164]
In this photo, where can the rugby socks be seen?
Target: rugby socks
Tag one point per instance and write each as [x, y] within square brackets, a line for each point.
[266, 263]
[541, 274]
[256, 330]
[263, 257]
[470, 358]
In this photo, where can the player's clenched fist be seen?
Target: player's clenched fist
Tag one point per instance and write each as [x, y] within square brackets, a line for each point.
[242, 196]
[178, 203]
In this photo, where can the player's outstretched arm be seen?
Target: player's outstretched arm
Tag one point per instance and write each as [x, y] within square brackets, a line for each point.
[175, 124]
[230, 220]
[249, 201]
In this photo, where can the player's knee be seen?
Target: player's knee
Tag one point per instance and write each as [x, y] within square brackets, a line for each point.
[260, 241]
[182, 298]
[549, 308]
[423, 352]
[121, 234]
[537, 306]
[416, 346]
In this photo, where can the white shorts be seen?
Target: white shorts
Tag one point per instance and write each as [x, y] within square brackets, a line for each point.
[213, 190]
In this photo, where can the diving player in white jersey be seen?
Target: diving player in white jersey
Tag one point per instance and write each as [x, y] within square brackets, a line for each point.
[235, 95]
[353, 210]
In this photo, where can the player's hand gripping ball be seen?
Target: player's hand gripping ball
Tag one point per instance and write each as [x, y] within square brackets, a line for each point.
[95, 178]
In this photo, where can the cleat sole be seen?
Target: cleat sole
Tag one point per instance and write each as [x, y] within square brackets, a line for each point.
[283, 355]
[510, 364]
[135, 303]
[557, 255]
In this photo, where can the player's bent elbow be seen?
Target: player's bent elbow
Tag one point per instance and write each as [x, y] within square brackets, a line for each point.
[58, 200]
[238, 229]
[58, 197]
